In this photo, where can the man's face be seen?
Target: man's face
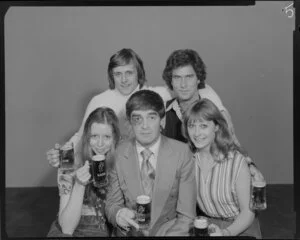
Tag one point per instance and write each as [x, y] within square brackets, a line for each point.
[185, 83]
[146, 126]
[126, 78]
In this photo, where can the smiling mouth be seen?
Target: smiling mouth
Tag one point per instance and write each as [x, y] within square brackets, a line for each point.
[125, 85]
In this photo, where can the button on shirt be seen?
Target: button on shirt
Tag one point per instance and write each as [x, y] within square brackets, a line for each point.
[154, 149]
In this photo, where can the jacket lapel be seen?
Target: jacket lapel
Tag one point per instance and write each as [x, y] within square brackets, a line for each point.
[165, 174]
[131, 169]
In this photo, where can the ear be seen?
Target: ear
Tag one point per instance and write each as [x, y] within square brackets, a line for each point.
[216, 128]
[163, 122]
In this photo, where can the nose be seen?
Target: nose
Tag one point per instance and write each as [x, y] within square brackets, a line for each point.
[144, 123]
[124, 78]
[100, 141]
[182, 82]
[197, 131]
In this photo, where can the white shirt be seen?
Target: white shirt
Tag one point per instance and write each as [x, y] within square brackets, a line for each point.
[154, 149]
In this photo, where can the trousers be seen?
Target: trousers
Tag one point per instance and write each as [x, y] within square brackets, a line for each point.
[88, 227]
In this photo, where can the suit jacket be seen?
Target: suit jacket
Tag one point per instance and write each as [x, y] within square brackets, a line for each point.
[173, 202]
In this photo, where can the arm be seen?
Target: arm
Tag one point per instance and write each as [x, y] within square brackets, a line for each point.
[246, 216]
[71, 201]
[114, 198]
[186, 203]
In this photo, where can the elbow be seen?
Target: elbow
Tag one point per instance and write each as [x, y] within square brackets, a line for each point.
[64, 228]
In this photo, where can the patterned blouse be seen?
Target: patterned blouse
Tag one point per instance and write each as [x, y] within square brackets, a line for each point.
[66, 180]
[216, 194]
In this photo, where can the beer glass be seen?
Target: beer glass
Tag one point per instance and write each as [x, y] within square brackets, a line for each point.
[66, 157]
[98, 171]
[258, 199]
[201, 227]
[143, 211]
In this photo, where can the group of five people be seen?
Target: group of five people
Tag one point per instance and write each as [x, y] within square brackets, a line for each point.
[193, 156]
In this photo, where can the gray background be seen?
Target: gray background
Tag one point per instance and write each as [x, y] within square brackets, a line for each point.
[56, 60]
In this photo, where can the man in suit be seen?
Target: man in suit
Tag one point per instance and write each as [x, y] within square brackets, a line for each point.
[166, 174]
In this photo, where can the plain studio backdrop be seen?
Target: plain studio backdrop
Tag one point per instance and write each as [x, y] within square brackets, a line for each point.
[56, 59]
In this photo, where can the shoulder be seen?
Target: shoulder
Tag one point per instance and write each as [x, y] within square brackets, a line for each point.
[103, 95]
[239, 162]
[209, 93]
[176, 146]
[123, 148]
[168, 103]
[163, 91]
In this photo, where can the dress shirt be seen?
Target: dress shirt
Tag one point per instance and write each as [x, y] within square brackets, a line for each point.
[154, 149]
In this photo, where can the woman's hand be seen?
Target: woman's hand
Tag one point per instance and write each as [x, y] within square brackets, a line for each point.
[53, 156]
[83, 174]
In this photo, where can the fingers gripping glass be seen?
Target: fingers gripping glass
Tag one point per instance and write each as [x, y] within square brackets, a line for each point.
[98, 171]
[66, 157]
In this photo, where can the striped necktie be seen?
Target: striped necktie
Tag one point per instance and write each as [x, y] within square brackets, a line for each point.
[147, 172]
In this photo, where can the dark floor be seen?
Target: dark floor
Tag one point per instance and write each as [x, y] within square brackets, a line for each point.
[30, 211]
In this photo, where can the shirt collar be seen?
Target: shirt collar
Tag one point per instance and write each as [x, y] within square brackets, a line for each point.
[175, 106]
[154, 148]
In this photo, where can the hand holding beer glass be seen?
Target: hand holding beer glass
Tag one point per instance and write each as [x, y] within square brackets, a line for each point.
[62, 157]
[98, 171]
[258, 199]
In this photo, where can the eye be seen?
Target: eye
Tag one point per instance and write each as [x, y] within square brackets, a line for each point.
[190, 125]
[117, 74]
[153, 117]
[129, 73]
[176, 78]
[107, 137]
[136, 119]
[190, 77]
[203, 125]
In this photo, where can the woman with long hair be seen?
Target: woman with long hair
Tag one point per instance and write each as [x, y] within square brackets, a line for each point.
[81, 210]
[222, 173]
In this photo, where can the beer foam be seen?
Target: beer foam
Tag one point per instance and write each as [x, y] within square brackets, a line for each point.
[200, 222]
[259, 184]
[98, 157]
[143, 199]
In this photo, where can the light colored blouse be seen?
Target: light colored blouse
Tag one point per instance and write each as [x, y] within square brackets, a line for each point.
[216, 195]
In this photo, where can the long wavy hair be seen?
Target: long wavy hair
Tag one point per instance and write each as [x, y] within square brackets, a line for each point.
[223, 143]
[106, 116]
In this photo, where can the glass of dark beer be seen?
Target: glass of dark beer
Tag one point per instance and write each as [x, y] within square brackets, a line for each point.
[201, 227]
[66, 157]
[143, 211]
[258, 199]
[98, 171]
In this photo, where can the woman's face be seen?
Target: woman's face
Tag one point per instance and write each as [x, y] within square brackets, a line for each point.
[101, 139]
[202, 133]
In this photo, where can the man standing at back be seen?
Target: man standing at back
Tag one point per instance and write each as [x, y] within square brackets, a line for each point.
[154, 165]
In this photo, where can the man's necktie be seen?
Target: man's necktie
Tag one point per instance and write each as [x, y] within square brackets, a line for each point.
[147, 172]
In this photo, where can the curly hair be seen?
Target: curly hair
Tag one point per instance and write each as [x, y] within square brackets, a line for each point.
[205, 109]
[123, 57]
[182, 58]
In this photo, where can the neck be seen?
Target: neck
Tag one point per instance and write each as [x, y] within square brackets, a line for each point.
[184, 104]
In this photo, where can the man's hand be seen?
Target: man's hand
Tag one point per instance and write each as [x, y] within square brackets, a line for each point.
[125, 218]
